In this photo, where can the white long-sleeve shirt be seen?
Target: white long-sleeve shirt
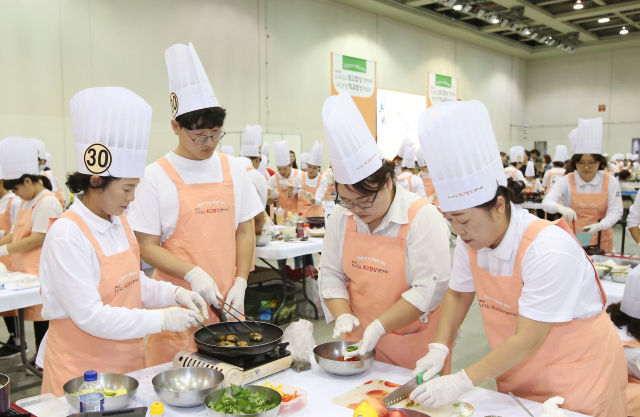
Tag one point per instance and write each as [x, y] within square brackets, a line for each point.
[561, 191]
[416, 183]
[633, 219]
[70, 275]
[428, 258]
[320, 192]
[632, 354]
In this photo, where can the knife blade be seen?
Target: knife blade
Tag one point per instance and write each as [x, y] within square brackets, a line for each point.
[402, 392]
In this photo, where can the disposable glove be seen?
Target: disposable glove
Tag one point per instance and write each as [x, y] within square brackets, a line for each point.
[567, 212]
[431, 197]
[331, 178]
[3, 250]
[345, 324]
[274, 194]
[178, 319]
[307, 195]
[204, 285]
[1, 233]
[443, 390]
[285, 184]
[593, 228]
[370, 338]
[235, 297]
[432, 362]
[193, 301]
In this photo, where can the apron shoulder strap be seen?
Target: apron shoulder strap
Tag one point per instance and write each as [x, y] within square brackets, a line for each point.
[75, 217]
[527, 238]
[413, 210]
[351, 225]
[572, 183]
[170, 170]
[131, 237]
[605, 185]
[224, 164]
[304, 182]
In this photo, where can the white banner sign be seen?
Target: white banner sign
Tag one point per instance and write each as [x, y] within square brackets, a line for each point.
[442, 89]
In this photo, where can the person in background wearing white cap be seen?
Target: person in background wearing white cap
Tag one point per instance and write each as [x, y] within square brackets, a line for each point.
[398, 159]
[426, 177]
[92, 288]
[541, 300]
[194, 210]
[531, 183]
[19, 161]
[9, 206]
[55, 184]
[628, 160]
[250, 159]
[408, 180]
[516, 154]
[227, 150]
[281, 188]
[303, 161]
[391, 246]
[625, 315]
[554, 174]
[311, 185]
[588, 196]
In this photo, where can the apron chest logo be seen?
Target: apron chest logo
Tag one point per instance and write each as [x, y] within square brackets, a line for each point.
[120, 287]
[374, 269]
[210, 210]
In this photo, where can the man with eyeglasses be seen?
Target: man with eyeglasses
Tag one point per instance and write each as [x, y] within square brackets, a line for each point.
[194, 209]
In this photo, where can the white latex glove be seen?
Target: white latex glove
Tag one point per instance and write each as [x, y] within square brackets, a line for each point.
[567, 212]
[331, 179]
[1, 233]
[593, 228]
[442, 390]
[307, 194]
[193, 301]
[285, 184]
[235, 297]
[178, 319]
[274, 194]
[345, 324]
[370, 338]
[431, 197]
[432, 362]
[204, 285]
[3, 250]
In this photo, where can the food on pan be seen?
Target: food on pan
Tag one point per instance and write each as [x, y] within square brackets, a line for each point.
[256, 337]
[243, 343]
[226, 343]
[232, 338]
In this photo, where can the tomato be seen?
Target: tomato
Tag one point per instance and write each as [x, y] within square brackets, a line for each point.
[341, 359]
[391, 384]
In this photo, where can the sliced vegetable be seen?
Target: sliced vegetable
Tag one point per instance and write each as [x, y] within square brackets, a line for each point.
[352, 348]
[342, 359]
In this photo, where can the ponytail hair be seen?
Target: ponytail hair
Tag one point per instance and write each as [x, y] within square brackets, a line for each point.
[12, 184]
[512, 193]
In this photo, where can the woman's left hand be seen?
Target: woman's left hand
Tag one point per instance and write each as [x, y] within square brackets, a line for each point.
[443, 390]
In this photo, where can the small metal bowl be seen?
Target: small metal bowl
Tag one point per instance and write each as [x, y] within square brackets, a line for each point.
[263, 240]
[602, 271]
[186, 387]
[270, 393]
[327, 355]
[620, 277]
[108, 381]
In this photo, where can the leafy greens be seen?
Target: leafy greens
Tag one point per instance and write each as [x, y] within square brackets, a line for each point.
[243, 401]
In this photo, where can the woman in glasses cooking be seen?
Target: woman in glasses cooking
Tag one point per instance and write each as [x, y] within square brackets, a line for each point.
[589, 195]
[385, 258]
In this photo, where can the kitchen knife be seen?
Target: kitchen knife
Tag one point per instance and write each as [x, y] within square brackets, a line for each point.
[402, 392]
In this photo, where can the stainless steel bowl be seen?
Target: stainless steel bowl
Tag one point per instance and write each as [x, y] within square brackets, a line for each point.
[263, 240]
[327, 355]
[602, 271]
[108, 381]
[270, 393]
[186, 387]
[620, 277]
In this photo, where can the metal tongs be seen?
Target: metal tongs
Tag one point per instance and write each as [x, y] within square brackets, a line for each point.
[221, 314]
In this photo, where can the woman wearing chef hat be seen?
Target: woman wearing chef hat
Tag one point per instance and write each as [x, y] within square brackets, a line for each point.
[312, 185]
[303, 161]
[281, 188]
[588, 196]
[541, 300]
[531, 183]
[398, 159]
[408, 180]
[626, 316]
[44, 170]
[92, 288]
[516, 154]
[554, 174]
[426, 177]
[389, 245]
[250, 159]
[193, 214]
[19, 161]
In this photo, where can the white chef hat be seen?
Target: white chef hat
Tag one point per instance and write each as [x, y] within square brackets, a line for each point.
[262, 168]
[409, 157]
[531, 169]
[422, 162]
[227, 149]
[315, 156]
[41, 148]
[628, 156]
[188, 82]
[589, 136]
[405, 142]
[18, 156]
[245, 162]
[631, 296]
[605, 154]
[251, 141]
[463, 158]
[265, 149]
[47, 157]
[516, 153]
[111, 127]
[573, 135]
[303, 160]
[634, 157]
[561, 154]
[282, 153]
[353, 152]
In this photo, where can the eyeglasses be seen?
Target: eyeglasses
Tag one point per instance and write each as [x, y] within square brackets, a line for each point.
[585, 164]
[202, 139]
[362, 206]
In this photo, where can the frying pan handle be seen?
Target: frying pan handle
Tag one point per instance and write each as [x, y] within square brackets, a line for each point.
[220, 313]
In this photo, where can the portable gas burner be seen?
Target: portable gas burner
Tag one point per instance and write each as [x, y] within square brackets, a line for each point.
[238, 370]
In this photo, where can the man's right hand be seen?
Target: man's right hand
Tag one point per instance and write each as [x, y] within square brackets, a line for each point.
[204, 285]
[178, 319]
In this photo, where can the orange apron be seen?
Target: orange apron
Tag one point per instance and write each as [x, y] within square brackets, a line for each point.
[205, 235]
[552, 181]
[591, 208]
[29, 261]
[330, 187]
[408, 180]
[377, 276]
[253, 259]
[288, 204]
[429, 190]
[5, 225]
[71, 351]
[304, 206]
[633, 388]
[581, 361]
[59, 195]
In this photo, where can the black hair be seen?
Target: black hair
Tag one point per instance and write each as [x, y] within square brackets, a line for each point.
[512, 193]
[526, 152]
[624, 174]
[374, 182]
[558, 164]
[621, 319]
[80, 183]
[202, 119]
[602, 160]
[535, 151]
[547, 159]
[12, 184]
[294, 164]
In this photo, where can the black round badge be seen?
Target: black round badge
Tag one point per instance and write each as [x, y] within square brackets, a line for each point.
[174, 104]
[97, 158]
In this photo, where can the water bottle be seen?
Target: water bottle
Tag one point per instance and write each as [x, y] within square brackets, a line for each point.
[91, 394]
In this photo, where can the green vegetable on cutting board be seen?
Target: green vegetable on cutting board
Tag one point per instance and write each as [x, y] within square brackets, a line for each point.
[243, 401]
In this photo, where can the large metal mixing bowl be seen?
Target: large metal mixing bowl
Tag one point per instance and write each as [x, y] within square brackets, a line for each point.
[270, 393]
[108, 381]
[186, 387]
[327, 355]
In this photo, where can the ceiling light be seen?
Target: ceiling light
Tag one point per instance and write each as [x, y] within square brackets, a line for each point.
[480, 13]
[457, 7]
[495, 20]
[525, 31]
[566, 48]
[560, 46]
[514, 27]
[534, 35]
[578, 5]
[466, 8]
[543, 39]
[450, 3]
[551, 42]
[504, 23]
[572, 49]
[603, 20]
[624, 31]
